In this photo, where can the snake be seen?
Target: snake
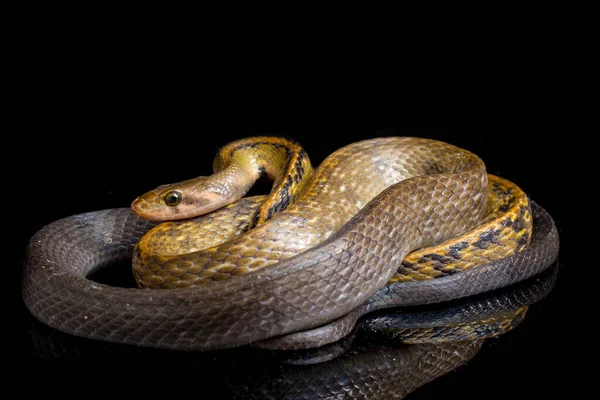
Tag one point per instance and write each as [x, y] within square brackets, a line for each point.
[321, 245]
[361, 366]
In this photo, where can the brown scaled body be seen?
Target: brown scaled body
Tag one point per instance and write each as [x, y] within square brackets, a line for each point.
[304, 210]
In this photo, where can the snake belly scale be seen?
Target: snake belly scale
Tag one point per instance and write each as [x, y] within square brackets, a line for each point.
[301, 261]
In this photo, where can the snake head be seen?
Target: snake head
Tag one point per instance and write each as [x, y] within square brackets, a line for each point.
[182, 200]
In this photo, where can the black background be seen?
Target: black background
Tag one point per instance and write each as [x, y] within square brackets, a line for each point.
[88, 156]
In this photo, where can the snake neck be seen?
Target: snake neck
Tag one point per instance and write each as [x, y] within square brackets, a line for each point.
[236, 168]
[241, 163]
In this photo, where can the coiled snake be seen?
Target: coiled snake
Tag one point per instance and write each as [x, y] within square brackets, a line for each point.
[321, 246]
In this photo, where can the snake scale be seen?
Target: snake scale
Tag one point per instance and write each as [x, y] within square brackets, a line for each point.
[298, 259]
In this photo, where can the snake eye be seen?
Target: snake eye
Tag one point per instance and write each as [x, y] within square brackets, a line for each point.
[173, 198]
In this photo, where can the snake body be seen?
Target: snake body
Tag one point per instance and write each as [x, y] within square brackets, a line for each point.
[345, 236]
[346, 369]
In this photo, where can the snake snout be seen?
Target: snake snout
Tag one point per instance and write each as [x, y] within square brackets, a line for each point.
[140, 207]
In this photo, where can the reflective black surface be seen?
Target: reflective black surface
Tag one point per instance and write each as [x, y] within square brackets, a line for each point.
[535, 353]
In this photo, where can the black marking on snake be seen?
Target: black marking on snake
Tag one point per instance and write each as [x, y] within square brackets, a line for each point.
[436, 257]
[254, 220]
[523, 240]
[282, 201]
[456, 248]
[298, 167]
[507, 192]
[439, 261]
[519, 222]
[284, 198]
[486, 238]
[508, 203]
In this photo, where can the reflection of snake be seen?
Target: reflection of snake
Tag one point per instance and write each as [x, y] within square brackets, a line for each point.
[386, 368]
[365, 372]
[478, 317]
[255, 286]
